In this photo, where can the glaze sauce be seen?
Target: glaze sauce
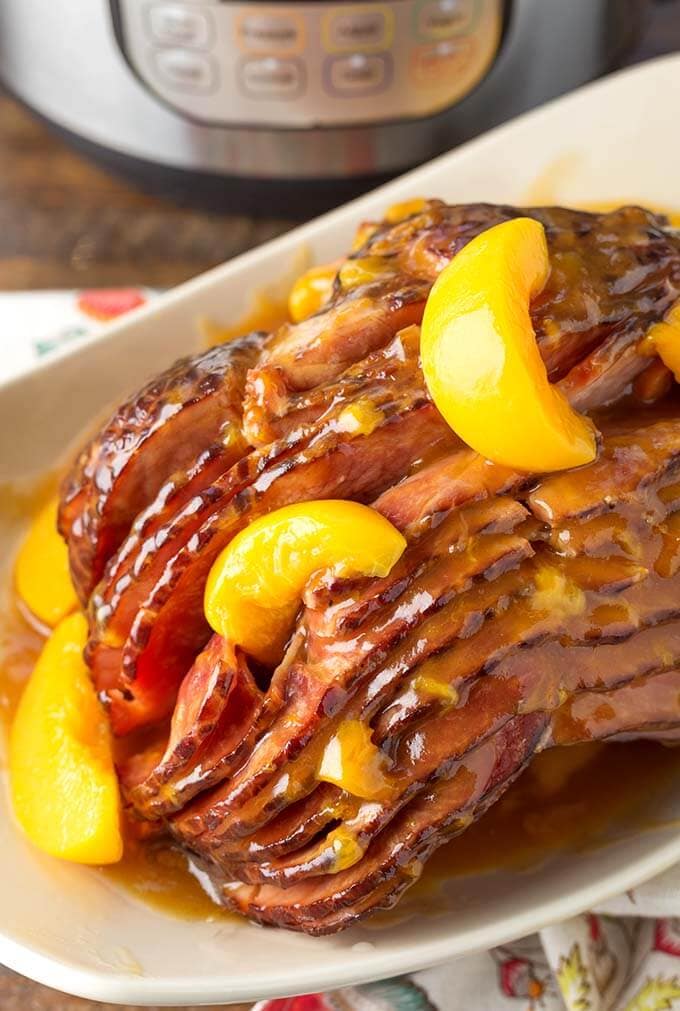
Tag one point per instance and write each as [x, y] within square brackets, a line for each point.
[267, 312]
[267, 309]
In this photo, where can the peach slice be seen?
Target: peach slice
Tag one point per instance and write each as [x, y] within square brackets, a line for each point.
[311, 291]
[664, 339]
[64, 786]
[41, 574]
[481, 362]
[255, 586]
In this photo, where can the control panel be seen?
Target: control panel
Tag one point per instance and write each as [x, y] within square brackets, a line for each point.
[293, 65]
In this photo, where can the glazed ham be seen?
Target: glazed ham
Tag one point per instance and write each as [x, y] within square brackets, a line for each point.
[191, 412]
[524, 613]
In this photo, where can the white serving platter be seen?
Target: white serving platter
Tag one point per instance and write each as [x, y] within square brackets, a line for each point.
[616, 140]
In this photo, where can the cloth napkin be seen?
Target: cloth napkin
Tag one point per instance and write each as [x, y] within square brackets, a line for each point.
[622, 957]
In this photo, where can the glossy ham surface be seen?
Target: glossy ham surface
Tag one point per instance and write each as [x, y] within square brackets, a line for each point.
[525, 613]
[160, 432]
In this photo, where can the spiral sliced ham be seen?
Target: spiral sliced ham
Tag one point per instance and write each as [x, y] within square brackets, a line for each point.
[524, 614]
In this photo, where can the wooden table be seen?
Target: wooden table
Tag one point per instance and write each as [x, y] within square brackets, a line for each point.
[19, 994]
[66, 224]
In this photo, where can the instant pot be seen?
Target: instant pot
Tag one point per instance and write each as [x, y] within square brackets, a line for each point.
[268, 105]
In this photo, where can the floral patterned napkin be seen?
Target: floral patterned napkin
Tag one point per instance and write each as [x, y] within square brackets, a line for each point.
[33, 324]
[623, 957]
[593, 962]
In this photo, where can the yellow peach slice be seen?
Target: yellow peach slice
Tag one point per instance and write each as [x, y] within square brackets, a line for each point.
[664, 339]
[63, 783]
[254, 588]
[41, 574]
[405, 209]
[311, 291]
[481, 362]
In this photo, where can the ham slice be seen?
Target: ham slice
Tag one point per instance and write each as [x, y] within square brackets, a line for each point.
[160, 431]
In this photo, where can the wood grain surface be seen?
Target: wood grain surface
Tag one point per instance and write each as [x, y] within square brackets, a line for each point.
[66, 223]
[19, 994]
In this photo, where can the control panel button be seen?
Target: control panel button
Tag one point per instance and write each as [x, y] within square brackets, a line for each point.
[272, 78]
[432, 66]
[444, 19]
[359, 29]
[186, 71]
[270, 32]
[175, 25]
[357, 75]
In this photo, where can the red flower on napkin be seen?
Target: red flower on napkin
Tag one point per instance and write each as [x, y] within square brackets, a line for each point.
[310, 1002]
[667, 936]
[107, 303]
